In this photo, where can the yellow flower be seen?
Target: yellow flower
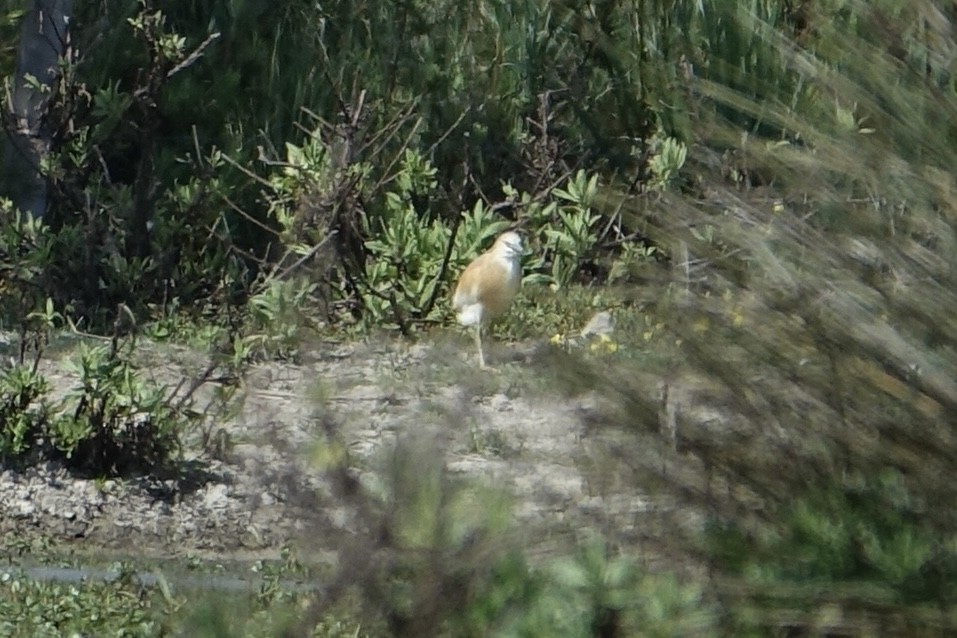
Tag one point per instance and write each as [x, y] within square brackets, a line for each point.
[605, 344]
[556, 339]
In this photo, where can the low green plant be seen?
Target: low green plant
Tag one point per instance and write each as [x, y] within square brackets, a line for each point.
[306, 173]
[125, 606]
[668, 158]
[571, 241]
[277, 316]
[23, 409]
[867, 532]
[26, 249]
[33, 609]
[405, 252]
[562, 230]
[272, 589]
[630, 259]
[113, 421]
[592, 593]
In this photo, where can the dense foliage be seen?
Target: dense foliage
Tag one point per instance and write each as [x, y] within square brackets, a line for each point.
[771, 180]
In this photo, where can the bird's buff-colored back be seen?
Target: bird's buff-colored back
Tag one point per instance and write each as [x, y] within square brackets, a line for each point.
[489, 284]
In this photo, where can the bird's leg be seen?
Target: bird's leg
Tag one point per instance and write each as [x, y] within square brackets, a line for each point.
[478, 343]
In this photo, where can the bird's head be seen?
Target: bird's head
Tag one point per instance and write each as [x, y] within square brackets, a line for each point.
[509, 245]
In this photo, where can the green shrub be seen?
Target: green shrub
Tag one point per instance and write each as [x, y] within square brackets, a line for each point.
[112, 421]
[24, 414]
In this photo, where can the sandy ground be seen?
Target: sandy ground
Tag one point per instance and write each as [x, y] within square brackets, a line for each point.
[257, 484]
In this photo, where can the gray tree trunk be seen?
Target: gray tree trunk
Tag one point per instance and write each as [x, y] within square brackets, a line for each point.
[43, 39]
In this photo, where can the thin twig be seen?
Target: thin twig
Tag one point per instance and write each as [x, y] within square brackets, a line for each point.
[194, 56]
[80, 333]
[449, 130]
[251, 175]
[199, 156]
[396, 158]
[248, 217]
[308, 255]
